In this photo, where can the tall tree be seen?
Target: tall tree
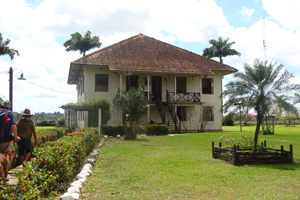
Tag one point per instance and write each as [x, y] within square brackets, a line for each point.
[5, 50]
[262, 84]
[83, 44]
[220, 48]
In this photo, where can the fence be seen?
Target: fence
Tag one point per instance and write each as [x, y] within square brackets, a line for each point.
[249, 155]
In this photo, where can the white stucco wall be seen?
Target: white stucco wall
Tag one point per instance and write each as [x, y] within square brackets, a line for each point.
[168, 83]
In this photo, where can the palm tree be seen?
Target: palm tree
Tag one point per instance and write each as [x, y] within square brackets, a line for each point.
[220, 48]
[261, 84]
[5, 50]
[297, 98]
[83, 44]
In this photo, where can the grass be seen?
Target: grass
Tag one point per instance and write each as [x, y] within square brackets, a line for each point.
[37, 128]
[182, 167]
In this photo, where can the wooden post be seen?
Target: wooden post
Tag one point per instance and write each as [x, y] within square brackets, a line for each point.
[265, 143]
[213, 149]
[220, 144]
[291, 153]
[234, 155]
[281, 148]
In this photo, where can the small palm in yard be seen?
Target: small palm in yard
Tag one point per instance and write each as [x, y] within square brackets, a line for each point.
[263, 84]
[133, 103]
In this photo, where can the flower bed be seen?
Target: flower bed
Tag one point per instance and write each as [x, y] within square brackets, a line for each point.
[249, 155]
[54, 166]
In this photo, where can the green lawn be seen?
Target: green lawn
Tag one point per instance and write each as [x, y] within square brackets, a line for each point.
[37, 128]
[182, 167]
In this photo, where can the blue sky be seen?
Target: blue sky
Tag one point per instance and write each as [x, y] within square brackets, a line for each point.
[38, 28]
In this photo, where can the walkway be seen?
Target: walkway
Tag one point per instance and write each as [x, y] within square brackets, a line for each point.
[13, 180]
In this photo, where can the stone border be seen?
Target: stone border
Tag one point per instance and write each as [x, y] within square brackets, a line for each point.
[74, 190]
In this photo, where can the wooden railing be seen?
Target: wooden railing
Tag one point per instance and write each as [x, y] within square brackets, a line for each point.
[186, 97]
[161, 111]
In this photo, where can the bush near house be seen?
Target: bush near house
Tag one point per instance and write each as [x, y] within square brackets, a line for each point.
[113, 131]
[97, 103]
[54, 167]
[157, 129]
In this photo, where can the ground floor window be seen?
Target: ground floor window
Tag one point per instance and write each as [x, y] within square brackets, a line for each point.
[101, 82]
[181, 113]
[208, 113]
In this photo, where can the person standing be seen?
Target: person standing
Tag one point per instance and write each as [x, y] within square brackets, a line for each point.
[5, 141]
[26, 129]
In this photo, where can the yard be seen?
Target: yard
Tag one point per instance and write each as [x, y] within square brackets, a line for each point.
[182, 167]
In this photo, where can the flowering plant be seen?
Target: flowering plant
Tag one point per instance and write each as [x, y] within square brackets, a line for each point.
[241, 142]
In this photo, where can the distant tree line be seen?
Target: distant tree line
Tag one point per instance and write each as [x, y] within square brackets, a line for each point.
[42, 116]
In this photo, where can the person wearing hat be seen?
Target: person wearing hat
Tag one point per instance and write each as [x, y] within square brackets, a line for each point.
[5, 141]
[26, 128]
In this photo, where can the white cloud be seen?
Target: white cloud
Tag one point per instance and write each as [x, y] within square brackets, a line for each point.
[286, 13]
[38, 34]
[247, 12]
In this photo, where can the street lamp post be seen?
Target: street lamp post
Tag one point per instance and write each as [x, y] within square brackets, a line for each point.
[11, 73]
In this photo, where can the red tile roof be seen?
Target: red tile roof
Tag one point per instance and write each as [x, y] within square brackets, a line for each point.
[145, 54]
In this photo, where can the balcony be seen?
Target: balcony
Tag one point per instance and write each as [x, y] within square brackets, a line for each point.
[183, 97]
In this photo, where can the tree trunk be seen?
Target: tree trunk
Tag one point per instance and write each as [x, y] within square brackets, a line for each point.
[221, 60]
[258, 123]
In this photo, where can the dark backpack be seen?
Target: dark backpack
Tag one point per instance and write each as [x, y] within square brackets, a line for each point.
[4, 122]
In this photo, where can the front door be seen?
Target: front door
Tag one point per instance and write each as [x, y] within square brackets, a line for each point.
[156, 87]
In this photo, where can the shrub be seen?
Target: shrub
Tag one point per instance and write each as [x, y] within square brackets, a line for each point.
[54, 167]
[61, 122]
[157, 129]
[230, 141]
[228, 120]
[112, 130]
[97, 103]
[45, 123]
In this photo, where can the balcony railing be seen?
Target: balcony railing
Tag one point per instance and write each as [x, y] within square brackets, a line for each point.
[183, 97]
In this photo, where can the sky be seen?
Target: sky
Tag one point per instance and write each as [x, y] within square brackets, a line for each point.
[38, 29]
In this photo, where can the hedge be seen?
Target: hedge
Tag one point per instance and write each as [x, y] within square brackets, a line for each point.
[113, 131]
[54, 166]
[157, 129]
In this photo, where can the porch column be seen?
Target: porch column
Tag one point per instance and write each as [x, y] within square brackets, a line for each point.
[121, 81]
[200, 85]
[148, 88]
[175, 92]
[67, 116]
[148, 113]
[70, 119]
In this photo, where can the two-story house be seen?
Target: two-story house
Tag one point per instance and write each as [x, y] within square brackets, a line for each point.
[182, 88]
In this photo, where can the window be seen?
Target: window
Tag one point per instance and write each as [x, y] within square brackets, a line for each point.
[132, 81]
[207, 86]
[181, 113]
[101, 83]
[180, 84]
[208, 113]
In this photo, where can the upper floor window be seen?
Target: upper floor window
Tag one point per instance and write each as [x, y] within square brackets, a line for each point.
[101, 83]
[207, 86]
[132, 81]
[180, 84]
